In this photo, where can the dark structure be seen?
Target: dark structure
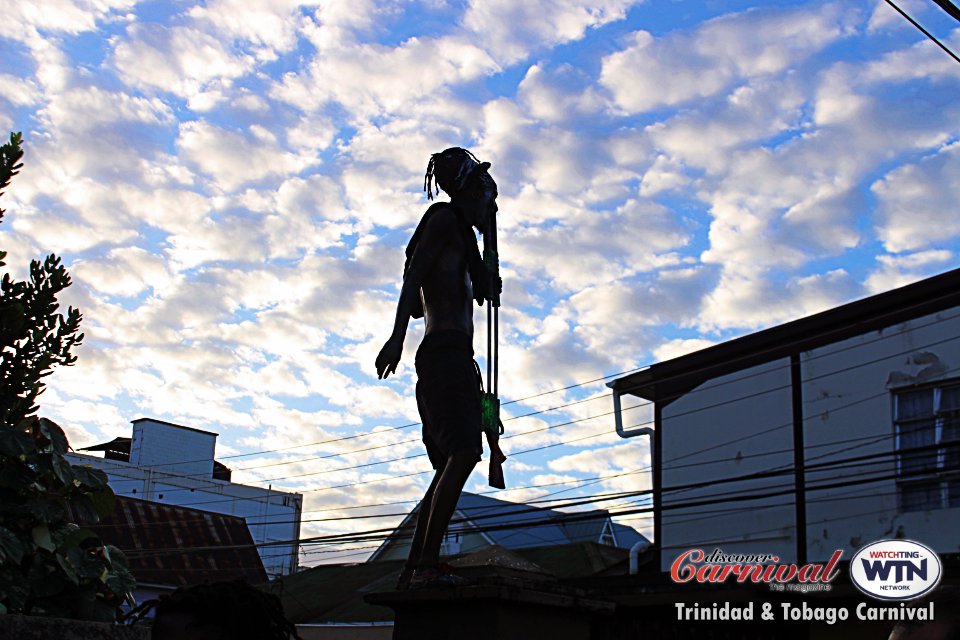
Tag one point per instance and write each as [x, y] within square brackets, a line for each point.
[169, 546]
[443, 274]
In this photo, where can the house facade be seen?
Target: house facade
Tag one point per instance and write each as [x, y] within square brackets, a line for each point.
[171, 464]
[821, 434]
[481, 521]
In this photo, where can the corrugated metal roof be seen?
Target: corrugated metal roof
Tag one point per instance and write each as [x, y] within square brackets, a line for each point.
[177, 546]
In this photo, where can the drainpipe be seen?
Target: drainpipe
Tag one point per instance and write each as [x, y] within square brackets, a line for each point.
[618, 417]
[635, 552]
[643, 545]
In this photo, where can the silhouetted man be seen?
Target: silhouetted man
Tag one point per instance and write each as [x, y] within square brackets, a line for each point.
[443, 274]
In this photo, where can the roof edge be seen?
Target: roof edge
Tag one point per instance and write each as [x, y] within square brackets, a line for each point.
[664, 381]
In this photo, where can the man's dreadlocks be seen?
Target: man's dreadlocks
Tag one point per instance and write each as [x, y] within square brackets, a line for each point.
[450, 169]
[241, 611]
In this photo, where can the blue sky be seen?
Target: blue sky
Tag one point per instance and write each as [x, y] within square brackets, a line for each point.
[231, 185]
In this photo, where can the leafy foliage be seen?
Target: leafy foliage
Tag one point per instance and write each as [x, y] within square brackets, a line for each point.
[49, 564]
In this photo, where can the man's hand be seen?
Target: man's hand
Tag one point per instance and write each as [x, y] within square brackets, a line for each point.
[483, 292]
[389, 357]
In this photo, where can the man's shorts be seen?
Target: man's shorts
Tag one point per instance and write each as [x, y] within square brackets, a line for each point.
[448, 395]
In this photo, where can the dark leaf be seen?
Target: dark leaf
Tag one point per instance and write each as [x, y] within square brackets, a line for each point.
[52, 432]
[86, 563]
[70, 535]
[104, 501]
[10, 546]
[46, 509]
[89, 477]
[14, 443]
[84, 509]
[41, 537]
[63, 470]
[68, 569]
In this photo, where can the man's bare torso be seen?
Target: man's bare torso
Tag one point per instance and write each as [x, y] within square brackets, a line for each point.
[446, 290]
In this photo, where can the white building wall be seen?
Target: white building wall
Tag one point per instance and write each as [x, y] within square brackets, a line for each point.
[847, 401]
[271, 516]
[177, 449]
[728, 427]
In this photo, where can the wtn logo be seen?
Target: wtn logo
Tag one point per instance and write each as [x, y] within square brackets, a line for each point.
[905, 570]
[895, 569]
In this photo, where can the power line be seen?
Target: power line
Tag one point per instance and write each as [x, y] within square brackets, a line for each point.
[924, 31]
[706, 500]
[825, 333]
[950, 8]
[582, 481]
[833, 352]
[710, 406]
[666, 464]
[843, 463]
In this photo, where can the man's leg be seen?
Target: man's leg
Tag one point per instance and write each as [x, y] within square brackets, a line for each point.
[423, 519]
[446, 492]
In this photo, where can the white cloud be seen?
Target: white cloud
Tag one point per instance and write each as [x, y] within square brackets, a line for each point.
[679, 347]
[19, 91]
[184, 61]
[664, 174]
[755, 302]
[886, 17]
[246, 265]
[917, 202]
[125, 271]
[64, 16]
[513, 30]
[557, 94]
[652, 73]
[271, 27]
[590, 247]
[371, 79]
[894, 271]
[232, 158]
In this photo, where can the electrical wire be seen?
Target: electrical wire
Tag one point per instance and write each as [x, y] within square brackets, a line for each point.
[667, 466]
[665, 379]
[924, 31]
[841, 480]
[950, 8]
[643, 404]
[827, 374]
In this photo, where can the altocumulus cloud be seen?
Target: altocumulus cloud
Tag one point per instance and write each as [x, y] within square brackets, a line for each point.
[232, 188]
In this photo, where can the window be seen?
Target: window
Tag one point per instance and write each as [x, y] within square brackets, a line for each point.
[927, 426]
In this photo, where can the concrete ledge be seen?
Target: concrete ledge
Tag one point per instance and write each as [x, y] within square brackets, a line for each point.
[494, 609]
[38, 628]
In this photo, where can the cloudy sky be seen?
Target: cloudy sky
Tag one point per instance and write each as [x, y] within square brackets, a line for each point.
[231, 184]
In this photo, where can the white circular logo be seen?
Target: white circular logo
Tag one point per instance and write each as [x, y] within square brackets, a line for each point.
[895, 569]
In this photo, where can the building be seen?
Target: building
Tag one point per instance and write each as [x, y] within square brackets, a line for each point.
[825, 433]
[481, 521]
[169, 546]
[171, 464]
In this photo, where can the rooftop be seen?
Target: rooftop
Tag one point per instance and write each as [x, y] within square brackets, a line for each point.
[174, 546]
[667, 380]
